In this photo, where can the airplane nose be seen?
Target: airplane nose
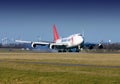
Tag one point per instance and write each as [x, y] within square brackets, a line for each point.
[81, 38]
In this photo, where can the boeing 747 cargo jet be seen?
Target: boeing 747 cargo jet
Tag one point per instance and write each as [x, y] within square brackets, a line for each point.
[61, 44]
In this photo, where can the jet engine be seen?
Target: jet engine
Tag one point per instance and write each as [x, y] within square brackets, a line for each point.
[33, 45]
[52, 46]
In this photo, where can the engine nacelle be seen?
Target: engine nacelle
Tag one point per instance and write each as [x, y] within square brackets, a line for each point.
[33, 45]
[52, 46]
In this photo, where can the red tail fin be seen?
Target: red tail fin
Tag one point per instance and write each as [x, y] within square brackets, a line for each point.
[56, 36]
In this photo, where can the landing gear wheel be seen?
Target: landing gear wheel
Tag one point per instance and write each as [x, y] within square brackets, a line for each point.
[59, 50]
[77, 50]
[64, 50]
[70, 50]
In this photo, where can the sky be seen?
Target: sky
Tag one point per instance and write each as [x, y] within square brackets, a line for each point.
[34, 19]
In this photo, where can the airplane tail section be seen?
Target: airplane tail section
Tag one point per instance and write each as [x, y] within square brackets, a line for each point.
[56, 36]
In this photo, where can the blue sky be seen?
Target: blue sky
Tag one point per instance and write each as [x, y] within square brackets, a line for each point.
[30, 19]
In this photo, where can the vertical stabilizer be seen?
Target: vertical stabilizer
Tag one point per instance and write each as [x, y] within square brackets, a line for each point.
[56, 36]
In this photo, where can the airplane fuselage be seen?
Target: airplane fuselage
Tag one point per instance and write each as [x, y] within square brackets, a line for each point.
[71, 41]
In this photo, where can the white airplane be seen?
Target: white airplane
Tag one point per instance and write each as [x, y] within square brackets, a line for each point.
[61, 44]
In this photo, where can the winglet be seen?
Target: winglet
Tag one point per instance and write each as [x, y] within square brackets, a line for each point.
[56, 36]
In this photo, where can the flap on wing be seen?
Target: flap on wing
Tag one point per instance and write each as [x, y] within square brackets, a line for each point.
[20, 41]
[36, 43]
[41, 43]
[60, 44]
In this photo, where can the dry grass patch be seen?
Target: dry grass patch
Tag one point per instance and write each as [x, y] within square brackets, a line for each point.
[78, 58]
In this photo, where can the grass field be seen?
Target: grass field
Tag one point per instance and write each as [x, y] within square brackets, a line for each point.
[57, 68]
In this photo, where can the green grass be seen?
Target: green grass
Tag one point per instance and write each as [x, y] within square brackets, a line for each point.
[13, 71]
[59, 75]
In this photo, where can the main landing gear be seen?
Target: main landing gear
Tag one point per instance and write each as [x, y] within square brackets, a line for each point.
[78, 49]
[64, 50]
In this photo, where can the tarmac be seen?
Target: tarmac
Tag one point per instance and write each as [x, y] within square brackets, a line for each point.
[62, 64]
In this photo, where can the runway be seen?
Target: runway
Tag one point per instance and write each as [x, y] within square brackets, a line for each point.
[62, 64]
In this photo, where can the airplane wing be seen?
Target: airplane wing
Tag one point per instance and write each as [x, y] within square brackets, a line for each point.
[33, 44]
[43, 43]
[21, 41]
[60, 44]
